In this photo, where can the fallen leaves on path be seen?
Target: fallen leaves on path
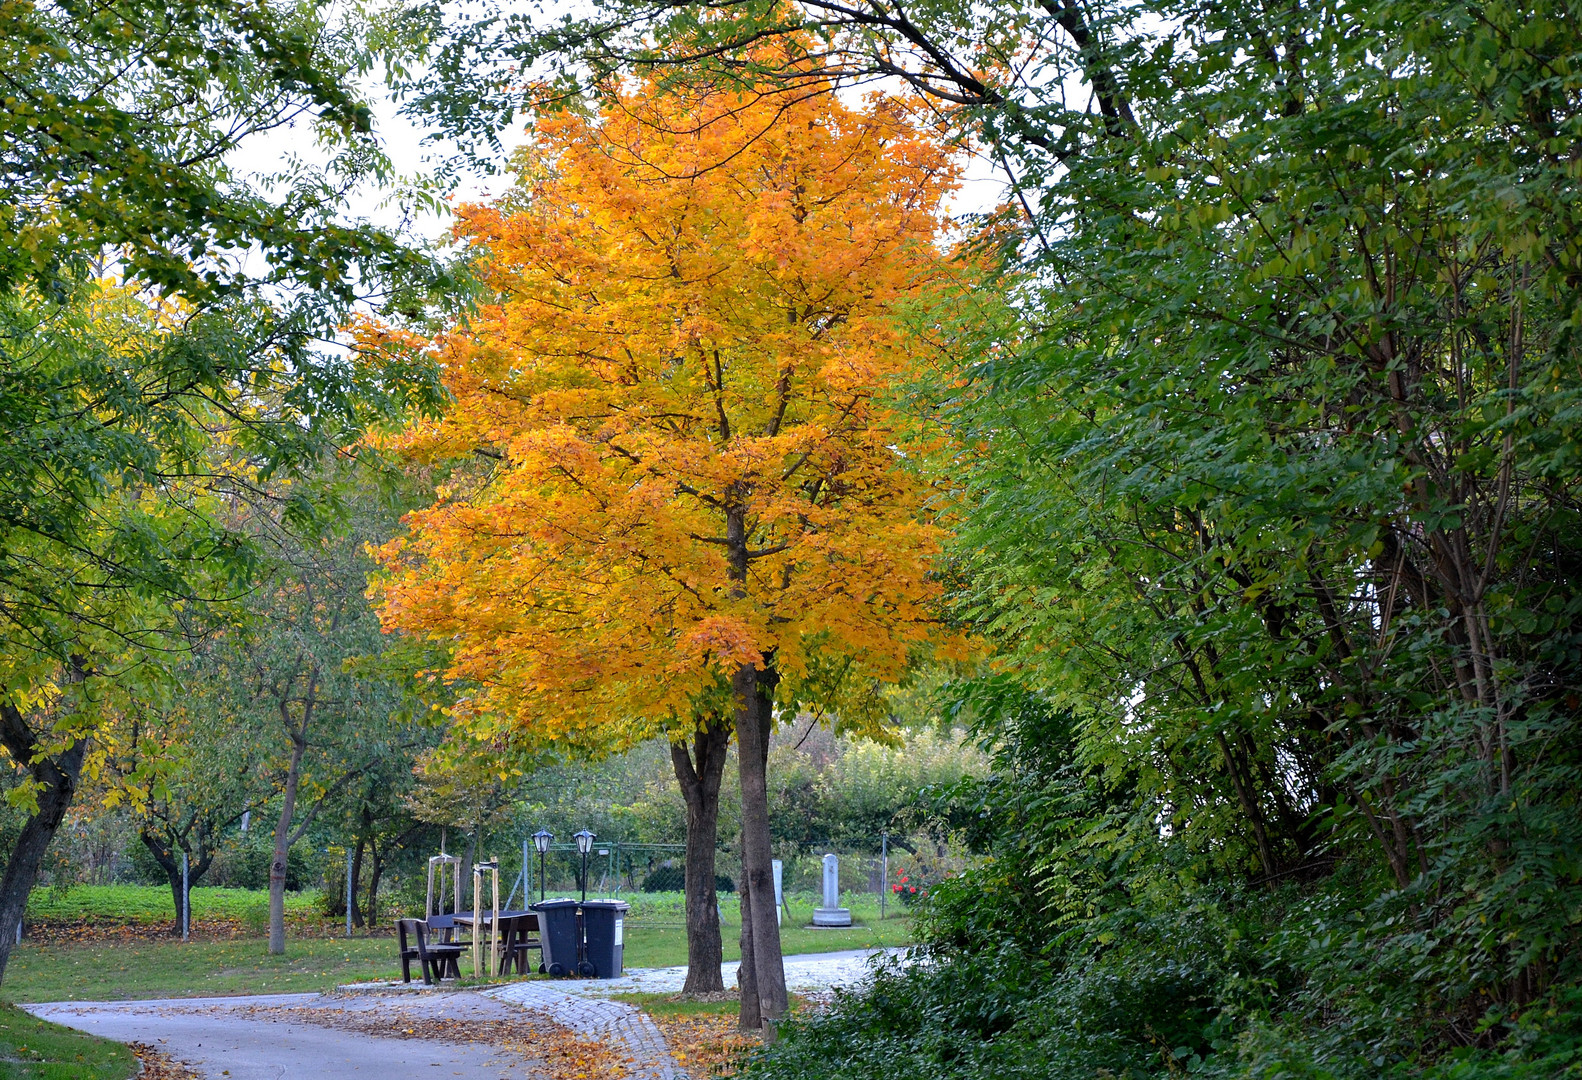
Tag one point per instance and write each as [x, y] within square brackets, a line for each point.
[706, 1044]
[158, 1065]
[560, 1053]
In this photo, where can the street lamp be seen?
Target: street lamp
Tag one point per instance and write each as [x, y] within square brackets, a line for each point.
[585, 845]
[541, 841]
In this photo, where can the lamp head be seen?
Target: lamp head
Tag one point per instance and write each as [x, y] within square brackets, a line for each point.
[541, 840]
[585, 841]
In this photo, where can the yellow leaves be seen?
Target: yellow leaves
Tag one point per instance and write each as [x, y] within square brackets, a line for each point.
[667, 457]
[722, 641]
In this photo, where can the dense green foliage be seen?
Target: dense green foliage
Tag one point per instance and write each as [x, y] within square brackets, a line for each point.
[162, 326]
[1271, 477]
[1087, 945]
[120, 118]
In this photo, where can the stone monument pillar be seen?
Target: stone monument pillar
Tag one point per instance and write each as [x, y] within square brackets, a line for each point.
[779, 872]
[831, 914]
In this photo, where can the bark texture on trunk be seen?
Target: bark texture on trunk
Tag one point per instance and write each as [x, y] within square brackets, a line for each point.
[283, 839]
[167, 853]
[699, 773]
[750, 1016]
[374, 873]
[59, 775]
[357, 873]
[754, 693]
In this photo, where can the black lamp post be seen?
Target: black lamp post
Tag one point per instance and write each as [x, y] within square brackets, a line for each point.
[541, 841]
[585, 845]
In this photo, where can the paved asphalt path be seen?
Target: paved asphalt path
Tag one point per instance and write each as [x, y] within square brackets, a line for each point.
[227, 1038]
[261, 1037]
[810, 974]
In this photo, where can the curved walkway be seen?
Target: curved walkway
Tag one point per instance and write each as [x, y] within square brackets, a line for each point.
[279, 1036]
[264, 1037]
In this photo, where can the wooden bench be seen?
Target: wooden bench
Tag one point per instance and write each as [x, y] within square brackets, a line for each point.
[435, 960]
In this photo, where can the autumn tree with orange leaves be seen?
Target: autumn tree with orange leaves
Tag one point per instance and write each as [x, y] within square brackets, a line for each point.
[677, 499]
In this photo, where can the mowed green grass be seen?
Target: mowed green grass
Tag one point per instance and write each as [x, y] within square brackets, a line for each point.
[32, 1049]
[146, 905]
[120, 970]
[153, 969]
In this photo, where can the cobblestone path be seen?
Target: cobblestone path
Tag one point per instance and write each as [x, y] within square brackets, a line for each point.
[599, 1019]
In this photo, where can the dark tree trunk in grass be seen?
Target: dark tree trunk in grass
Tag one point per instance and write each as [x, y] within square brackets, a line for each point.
[356, 875]
[167, 853]
[754, 691]
[285, 834]
[59, 774]
[699, 774]
[750, 1017]
[283, 840]
[374, 873]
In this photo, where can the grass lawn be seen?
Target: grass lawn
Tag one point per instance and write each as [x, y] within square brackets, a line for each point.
[674, 1005]
[148, 969]
[31, 1049]
[123, 969]
[143, 905]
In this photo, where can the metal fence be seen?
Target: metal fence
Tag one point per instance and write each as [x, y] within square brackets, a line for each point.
[884, 877]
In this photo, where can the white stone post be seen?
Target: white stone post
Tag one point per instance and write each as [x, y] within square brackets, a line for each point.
[831, 914]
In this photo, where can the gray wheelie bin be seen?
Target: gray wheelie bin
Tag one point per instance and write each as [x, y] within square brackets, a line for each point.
[560, 935]
[603, 923]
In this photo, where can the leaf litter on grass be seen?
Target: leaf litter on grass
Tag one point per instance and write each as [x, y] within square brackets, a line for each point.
[706, 1044]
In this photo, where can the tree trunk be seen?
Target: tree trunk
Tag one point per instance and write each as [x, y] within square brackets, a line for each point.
[749, 1016]
[357, 872]
[165, 856]
[374, 872]
[59, 775]
[277, 867]
[466, 868]
[754, 693]
[699, 775]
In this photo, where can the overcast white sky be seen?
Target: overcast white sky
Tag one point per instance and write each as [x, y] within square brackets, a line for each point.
[982, 189]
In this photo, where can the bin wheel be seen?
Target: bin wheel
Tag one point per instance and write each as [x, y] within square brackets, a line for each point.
[587, 970]
[541, 969]
[557, 969]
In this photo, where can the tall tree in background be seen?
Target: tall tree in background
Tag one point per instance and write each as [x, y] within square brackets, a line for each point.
[296, 675]
[116, 138]
[677, 496]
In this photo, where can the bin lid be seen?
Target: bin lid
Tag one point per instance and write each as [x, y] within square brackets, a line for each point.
[611, 905]
[549, 905]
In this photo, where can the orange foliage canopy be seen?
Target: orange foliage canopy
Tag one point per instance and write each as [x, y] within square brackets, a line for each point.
[669, 446]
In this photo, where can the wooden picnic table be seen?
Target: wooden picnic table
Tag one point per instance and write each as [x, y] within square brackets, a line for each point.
[465, 918]
[515, 939]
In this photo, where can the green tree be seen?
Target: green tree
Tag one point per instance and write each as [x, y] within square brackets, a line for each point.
[133, 417]
[118, 130]
[297, 676]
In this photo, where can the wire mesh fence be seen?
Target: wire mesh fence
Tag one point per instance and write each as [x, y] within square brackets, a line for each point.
[883, 879]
